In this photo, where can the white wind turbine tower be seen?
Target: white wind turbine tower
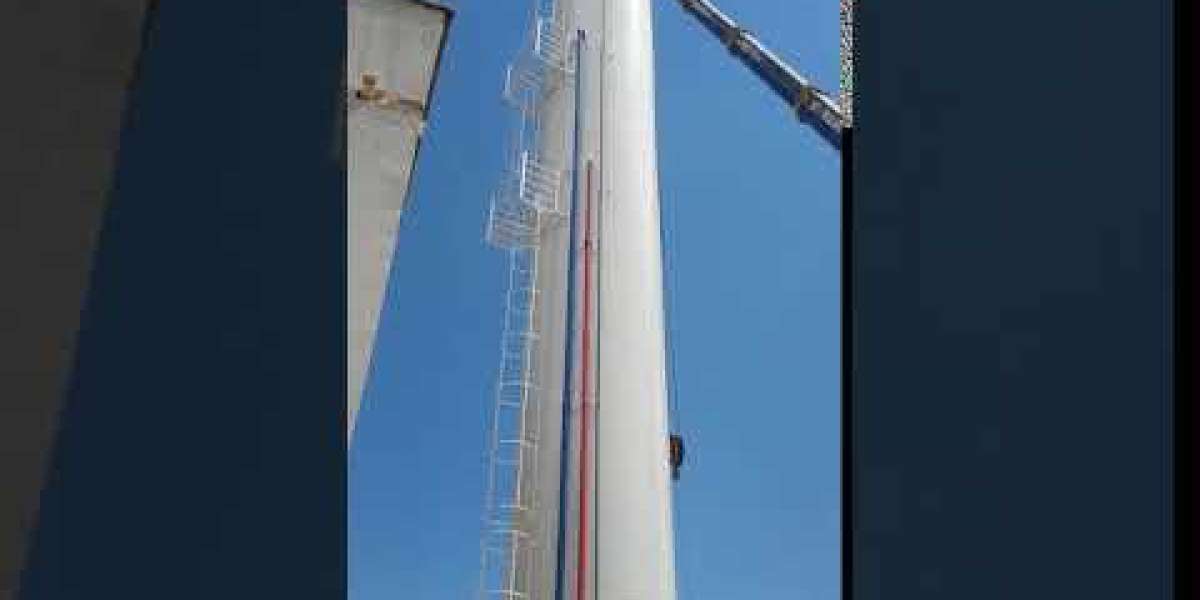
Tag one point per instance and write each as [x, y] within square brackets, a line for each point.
[579, 486]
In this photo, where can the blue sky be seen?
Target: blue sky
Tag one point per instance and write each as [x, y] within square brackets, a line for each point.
[751, 201]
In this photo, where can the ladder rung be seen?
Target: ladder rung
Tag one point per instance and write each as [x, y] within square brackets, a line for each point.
[509, 593]
[526, 443]
[521, 386]
[512, 532]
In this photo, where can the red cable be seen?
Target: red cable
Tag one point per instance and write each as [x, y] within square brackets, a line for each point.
[585, 360]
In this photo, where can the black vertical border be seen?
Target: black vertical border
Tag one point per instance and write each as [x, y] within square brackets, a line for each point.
[201, 447]
[847, 412]
[1186, 373]
[1006, 71]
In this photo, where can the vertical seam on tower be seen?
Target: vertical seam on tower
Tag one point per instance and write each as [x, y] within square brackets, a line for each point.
[601, 205]
[585, 370]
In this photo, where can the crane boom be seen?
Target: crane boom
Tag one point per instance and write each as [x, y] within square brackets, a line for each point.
[812, 106]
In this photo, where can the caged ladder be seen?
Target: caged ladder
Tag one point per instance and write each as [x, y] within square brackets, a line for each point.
[528, 199]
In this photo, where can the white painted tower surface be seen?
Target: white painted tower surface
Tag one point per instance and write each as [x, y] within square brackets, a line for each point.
[581, 509]
[391, 63]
